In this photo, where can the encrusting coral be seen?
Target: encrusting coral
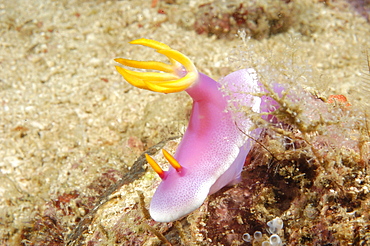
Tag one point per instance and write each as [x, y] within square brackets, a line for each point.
[310, 168]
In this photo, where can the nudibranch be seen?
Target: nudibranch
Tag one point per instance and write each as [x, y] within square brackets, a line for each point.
[214, 147]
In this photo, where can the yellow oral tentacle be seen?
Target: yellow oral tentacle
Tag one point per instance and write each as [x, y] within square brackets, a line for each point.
[150, 76]
[138, 81]
[172, 86]
[131, 79]
[180, 82]
[168, 82]
[181, 58]
[156, 88]
[146, 65]
[151, 43]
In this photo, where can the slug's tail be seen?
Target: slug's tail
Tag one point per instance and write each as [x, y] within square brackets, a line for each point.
[171, 78]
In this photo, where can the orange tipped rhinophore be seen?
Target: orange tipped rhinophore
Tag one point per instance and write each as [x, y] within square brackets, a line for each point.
[172, 160]
[174, 163]
[155, 166]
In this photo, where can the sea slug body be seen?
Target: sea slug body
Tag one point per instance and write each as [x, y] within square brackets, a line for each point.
[213, 149]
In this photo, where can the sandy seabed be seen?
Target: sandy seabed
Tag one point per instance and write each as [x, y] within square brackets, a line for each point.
[71, 126]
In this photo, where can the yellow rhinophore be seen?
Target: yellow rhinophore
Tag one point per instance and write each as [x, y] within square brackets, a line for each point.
[167, 82]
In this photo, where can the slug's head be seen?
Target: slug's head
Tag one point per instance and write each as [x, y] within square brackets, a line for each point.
[175, 77]
[181, 191]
